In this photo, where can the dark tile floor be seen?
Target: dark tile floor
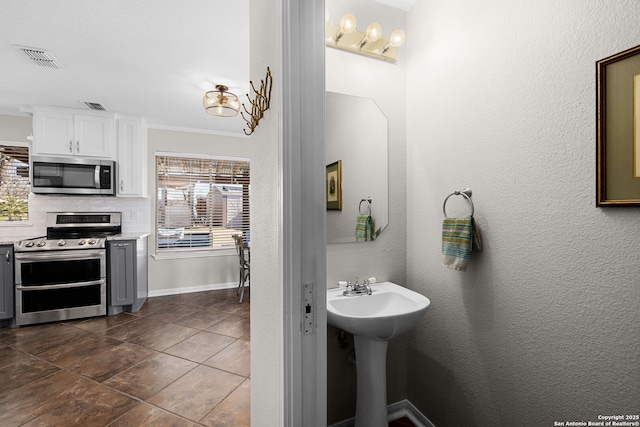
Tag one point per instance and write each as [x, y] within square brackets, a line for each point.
[182, 360]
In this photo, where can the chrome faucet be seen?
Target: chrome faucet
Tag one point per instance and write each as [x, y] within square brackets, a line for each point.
[367, 286]
[357, 289]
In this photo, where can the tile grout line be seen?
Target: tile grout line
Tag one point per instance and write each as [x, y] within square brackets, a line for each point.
[104, 333]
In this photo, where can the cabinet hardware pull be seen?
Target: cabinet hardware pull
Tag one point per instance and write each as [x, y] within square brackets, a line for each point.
[122, 185]
[7, 256]
[71, 146]
[77, 146]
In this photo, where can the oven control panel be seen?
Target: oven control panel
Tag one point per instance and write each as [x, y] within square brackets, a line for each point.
[43, 244]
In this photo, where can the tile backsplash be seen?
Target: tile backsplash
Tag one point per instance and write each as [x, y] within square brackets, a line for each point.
[136, 215]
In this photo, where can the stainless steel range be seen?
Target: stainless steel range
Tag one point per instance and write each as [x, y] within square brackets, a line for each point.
[63, 275]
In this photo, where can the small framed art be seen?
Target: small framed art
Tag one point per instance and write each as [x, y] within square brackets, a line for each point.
[618, 129]
[334, 186]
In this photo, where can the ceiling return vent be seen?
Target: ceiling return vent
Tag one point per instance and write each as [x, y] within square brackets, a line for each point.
[95, 106]
[40, 57]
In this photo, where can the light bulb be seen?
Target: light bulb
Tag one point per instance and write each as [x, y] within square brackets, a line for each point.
[397, 38]
[374, 31]
[234, 104]
[348, 23]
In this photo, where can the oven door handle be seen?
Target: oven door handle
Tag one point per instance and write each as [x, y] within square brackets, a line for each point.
[61, 286]
[72, 254]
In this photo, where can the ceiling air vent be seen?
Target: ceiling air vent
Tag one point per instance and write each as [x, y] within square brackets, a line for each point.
[41, 57]
[95, 106]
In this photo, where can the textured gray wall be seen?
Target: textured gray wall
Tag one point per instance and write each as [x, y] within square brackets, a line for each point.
[545, 325]
[384, 258]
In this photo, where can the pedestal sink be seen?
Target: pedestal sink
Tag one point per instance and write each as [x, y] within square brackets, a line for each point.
[389, 311]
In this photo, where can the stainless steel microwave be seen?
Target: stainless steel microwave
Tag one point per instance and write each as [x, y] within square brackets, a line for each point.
[73, 175]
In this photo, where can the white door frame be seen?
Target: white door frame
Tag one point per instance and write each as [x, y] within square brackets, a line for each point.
[302, 230]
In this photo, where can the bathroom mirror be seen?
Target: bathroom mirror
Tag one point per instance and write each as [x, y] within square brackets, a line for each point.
[356, 135]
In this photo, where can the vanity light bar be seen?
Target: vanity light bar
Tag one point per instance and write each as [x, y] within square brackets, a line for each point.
[368, 43]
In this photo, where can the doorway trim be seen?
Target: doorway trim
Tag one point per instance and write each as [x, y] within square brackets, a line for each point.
[303, 212]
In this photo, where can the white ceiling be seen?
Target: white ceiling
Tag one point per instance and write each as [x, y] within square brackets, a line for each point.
[150, 58]
[399, 4]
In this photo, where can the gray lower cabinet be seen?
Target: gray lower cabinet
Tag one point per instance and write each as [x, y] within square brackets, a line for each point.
[127, 275]
[6, 282]
[122, 272]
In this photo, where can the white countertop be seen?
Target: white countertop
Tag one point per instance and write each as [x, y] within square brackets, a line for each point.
[123, 236]
[128, 236]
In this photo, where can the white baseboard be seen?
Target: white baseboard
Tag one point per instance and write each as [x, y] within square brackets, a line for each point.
[190, 289]
[397, 410]
[404, 408]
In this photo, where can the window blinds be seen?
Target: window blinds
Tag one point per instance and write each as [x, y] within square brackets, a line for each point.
[201, 202]
[14, 183]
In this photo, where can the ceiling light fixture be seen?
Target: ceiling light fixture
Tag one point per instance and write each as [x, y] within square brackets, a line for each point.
[369, 43]
[221, 102]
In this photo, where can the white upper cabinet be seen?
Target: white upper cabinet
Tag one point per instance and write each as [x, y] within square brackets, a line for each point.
[70, 133]
[132, 157]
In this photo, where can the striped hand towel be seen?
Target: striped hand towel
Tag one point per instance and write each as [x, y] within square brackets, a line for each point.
[459, 237]
[364, 228]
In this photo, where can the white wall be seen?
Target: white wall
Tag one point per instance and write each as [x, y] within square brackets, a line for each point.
[384, 258]
[15, 128]
[173, 275]
[266, 301]
[545, 325]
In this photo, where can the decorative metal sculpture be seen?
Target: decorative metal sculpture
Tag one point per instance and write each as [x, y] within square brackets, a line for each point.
[259, 104]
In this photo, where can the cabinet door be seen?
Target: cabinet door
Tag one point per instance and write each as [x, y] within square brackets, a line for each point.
[6, 282]
[93, 136]
[73, 134]
[53, 133]
[122, 272]
[132, 158]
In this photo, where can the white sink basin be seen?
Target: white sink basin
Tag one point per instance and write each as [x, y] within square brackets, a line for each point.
[389, 311]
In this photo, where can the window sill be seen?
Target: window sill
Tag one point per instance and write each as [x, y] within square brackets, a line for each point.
[192, 254]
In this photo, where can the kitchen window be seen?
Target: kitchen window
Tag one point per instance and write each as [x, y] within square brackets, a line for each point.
[201, 202]
[14, 182]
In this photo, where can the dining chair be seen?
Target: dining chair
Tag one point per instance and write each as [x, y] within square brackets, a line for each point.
[245, 268]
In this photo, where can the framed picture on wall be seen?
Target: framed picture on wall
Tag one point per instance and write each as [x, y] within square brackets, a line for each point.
[618, 129]
[334, 186]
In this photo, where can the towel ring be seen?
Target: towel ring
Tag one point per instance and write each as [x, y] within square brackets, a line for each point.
[466, 193]
[368, 200]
